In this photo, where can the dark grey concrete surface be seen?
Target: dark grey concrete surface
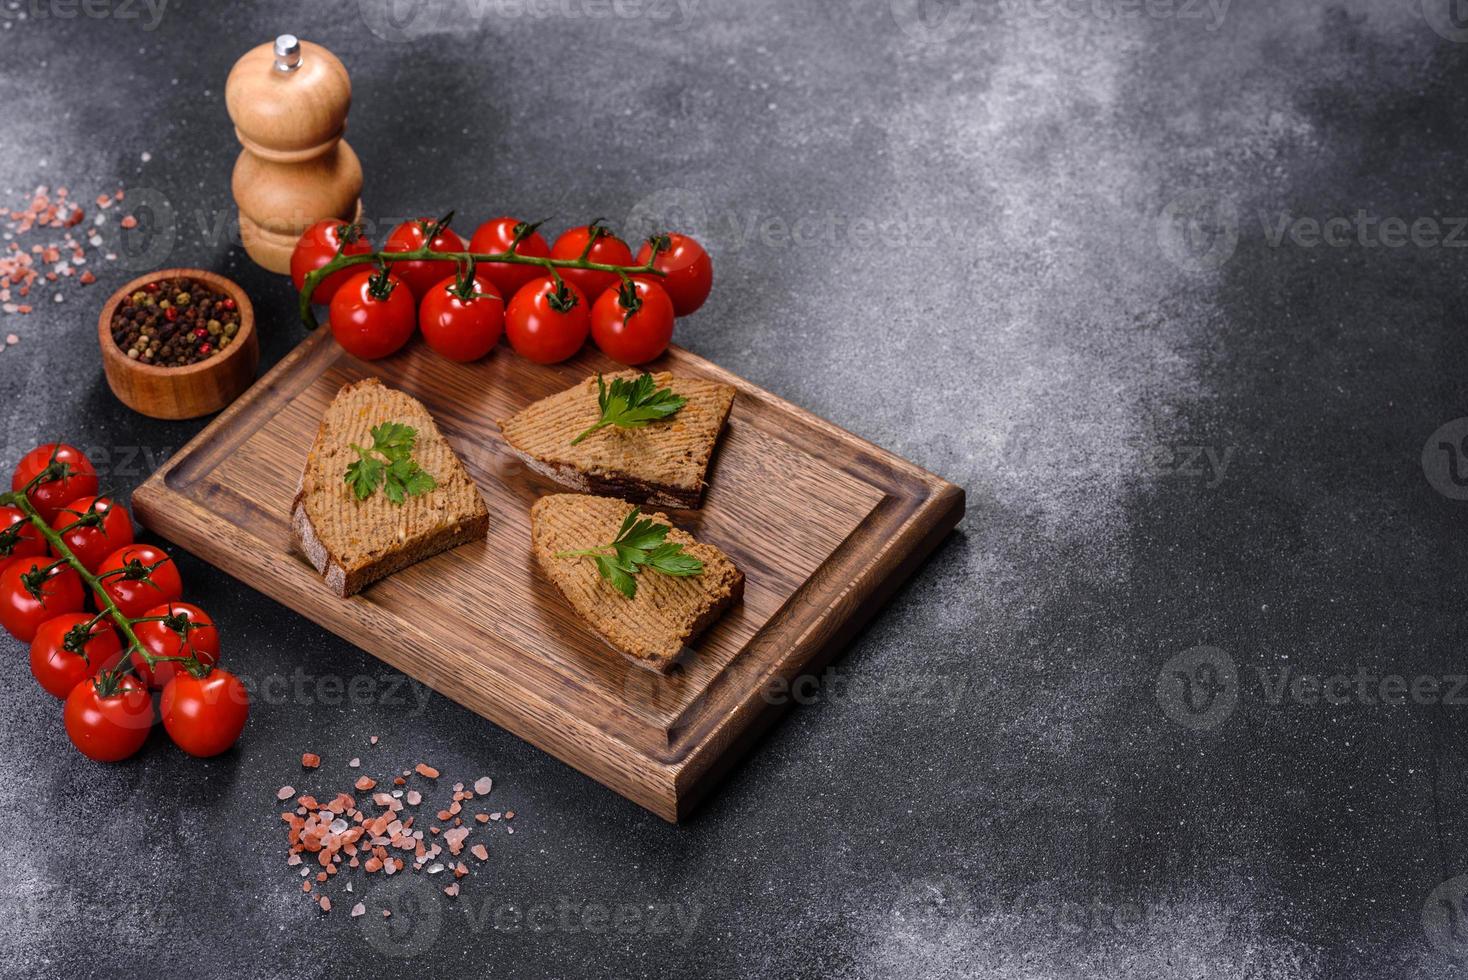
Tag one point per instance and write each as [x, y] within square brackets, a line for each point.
[1068, 255]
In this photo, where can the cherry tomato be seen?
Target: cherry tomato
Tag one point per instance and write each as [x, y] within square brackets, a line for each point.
[186, 631]
[104, 528]
[498, 235]
[56, 651]
[547, 324]
[632, 329]
[108, 727]
[74, 477]
[372, 315]
[318, 245]
[139, 577]
[606, 248]
[205, 715]
[689, 271]
[462, 319]
[29, 595]
[19, 538]
[413, 235]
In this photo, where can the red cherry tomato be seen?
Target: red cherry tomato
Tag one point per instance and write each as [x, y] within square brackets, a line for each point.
[498, 235]
[607, 248]
[185, 631]
[19, 538]
[56, 652]
[460, 328]
[73, 475]
[632, 329]
[689, 271]
[102, 526]
[139, 577]
[372, 315]
[30, 595]
[205, 715]
[547, 324]
[413, 235]
[318, 245]
[108, 727]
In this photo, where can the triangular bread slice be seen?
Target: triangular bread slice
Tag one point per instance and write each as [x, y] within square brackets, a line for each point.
[663, 463]
[655, 625]
[356, 542]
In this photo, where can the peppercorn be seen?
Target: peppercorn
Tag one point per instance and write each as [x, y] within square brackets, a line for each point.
[174, 322]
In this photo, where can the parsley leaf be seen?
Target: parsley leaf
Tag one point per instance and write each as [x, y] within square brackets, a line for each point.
[639, 544]
[394, 440]
[365, 475]
[389, 464]
[632, 404]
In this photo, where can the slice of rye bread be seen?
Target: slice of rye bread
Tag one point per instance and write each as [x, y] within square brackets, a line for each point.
[356, 542]
[655, 625]
[663, 463]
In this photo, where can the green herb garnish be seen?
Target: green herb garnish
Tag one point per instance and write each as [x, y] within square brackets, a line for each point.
[389, 464]
[638, 545]
[632, 404]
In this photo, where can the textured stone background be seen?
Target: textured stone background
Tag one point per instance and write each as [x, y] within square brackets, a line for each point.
[1060, 253]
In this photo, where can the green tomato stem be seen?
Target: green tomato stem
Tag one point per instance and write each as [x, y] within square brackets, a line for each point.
[110, 678]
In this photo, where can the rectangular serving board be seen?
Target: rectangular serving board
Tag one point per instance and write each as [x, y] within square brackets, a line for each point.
[824, 525]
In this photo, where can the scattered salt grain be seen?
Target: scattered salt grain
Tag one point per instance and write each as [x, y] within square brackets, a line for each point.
[355, 763]
[483, 785]
[358, 909]
[285, 792]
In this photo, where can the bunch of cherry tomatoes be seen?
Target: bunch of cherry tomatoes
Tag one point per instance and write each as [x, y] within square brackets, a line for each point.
[78, 655]
[462, 309]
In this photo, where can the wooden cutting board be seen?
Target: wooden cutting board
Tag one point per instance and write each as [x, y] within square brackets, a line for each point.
[824, 525]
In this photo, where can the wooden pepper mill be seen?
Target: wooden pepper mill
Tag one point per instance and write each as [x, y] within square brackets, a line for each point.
[288, 101]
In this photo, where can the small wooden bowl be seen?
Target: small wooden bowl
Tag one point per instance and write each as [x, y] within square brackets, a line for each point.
[194, 389]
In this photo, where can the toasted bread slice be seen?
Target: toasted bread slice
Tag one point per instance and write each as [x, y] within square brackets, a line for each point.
[655, 625]
[356, 542]
[663, 463]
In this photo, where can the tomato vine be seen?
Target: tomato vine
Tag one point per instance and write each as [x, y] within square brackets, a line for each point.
[109, 679]
[344, 260]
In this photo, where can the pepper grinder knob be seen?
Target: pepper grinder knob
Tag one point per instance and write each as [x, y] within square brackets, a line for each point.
[289, 100]
[287, 53]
